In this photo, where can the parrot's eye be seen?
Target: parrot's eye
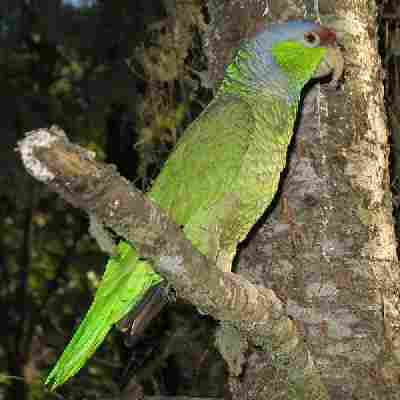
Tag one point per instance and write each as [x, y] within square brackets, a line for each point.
[311, 39]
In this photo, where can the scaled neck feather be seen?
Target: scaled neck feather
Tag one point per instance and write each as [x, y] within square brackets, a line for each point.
[250, 74]
[254, 68]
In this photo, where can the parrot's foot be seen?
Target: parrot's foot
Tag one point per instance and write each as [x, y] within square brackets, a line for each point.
[103, 238]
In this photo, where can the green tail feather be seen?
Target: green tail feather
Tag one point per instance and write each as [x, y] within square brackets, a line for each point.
[125, 281]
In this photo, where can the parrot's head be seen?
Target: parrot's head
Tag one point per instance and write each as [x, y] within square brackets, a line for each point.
[285, 56]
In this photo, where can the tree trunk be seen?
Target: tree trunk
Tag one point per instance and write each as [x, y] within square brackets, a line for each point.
[340, 279]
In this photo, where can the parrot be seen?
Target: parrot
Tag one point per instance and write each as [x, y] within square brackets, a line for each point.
[222, 175]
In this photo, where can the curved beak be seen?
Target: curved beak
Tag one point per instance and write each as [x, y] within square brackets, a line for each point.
[332, 63]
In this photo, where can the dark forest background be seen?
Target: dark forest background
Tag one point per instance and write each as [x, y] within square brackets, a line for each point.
[123, 78]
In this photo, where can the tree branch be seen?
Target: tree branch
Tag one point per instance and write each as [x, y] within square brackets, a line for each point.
[97, 188]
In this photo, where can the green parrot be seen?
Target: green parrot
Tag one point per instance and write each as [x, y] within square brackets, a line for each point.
[222, 175]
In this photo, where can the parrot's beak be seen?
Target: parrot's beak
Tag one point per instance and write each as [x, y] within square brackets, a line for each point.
[332, 63]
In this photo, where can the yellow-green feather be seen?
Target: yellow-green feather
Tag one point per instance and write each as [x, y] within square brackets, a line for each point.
[297, 61]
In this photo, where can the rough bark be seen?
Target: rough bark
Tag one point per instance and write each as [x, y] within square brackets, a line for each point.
[340, 282]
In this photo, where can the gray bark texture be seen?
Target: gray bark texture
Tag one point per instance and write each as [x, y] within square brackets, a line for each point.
[333, 261]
